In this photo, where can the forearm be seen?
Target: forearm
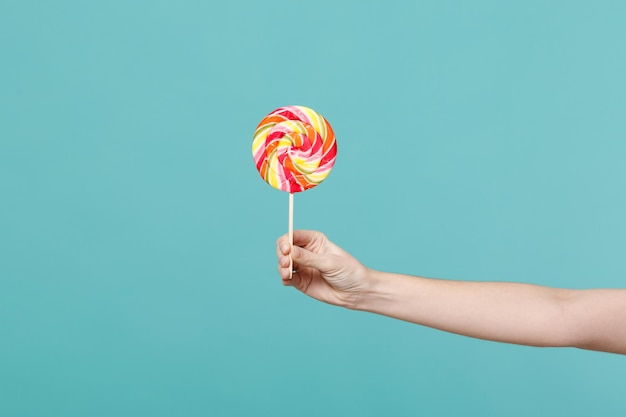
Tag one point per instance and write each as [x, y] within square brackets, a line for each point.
[500, 311]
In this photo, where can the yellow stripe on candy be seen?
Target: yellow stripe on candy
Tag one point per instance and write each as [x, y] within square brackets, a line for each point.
[272, 177]
[316, 121]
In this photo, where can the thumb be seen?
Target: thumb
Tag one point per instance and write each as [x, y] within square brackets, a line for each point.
[308, 258]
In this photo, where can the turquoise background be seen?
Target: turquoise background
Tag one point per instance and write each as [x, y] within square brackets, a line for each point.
[477, 140]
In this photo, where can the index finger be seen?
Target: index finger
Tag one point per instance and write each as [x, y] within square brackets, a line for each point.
[282, 245]
[305, 237]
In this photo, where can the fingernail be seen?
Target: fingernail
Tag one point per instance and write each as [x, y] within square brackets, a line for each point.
[295, 251]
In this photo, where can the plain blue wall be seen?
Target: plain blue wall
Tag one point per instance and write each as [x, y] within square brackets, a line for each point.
[477, 140]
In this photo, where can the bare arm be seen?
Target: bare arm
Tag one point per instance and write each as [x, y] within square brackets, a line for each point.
[503, 311]
[500, 311]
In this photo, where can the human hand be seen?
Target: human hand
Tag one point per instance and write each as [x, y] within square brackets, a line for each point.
[324, 270]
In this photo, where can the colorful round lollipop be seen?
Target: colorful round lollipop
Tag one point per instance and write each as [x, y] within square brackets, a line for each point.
[294, 149]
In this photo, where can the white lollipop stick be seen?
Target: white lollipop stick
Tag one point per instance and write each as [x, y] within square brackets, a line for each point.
[290, 233]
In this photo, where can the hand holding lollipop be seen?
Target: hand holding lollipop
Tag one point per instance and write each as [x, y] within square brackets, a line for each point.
[294, 149]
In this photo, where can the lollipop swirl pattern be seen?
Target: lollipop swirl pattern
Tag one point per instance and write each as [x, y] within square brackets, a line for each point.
[294, 148]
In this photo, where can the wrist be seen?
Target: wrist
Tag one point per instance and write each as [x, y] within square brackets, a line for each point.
[374, 293]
